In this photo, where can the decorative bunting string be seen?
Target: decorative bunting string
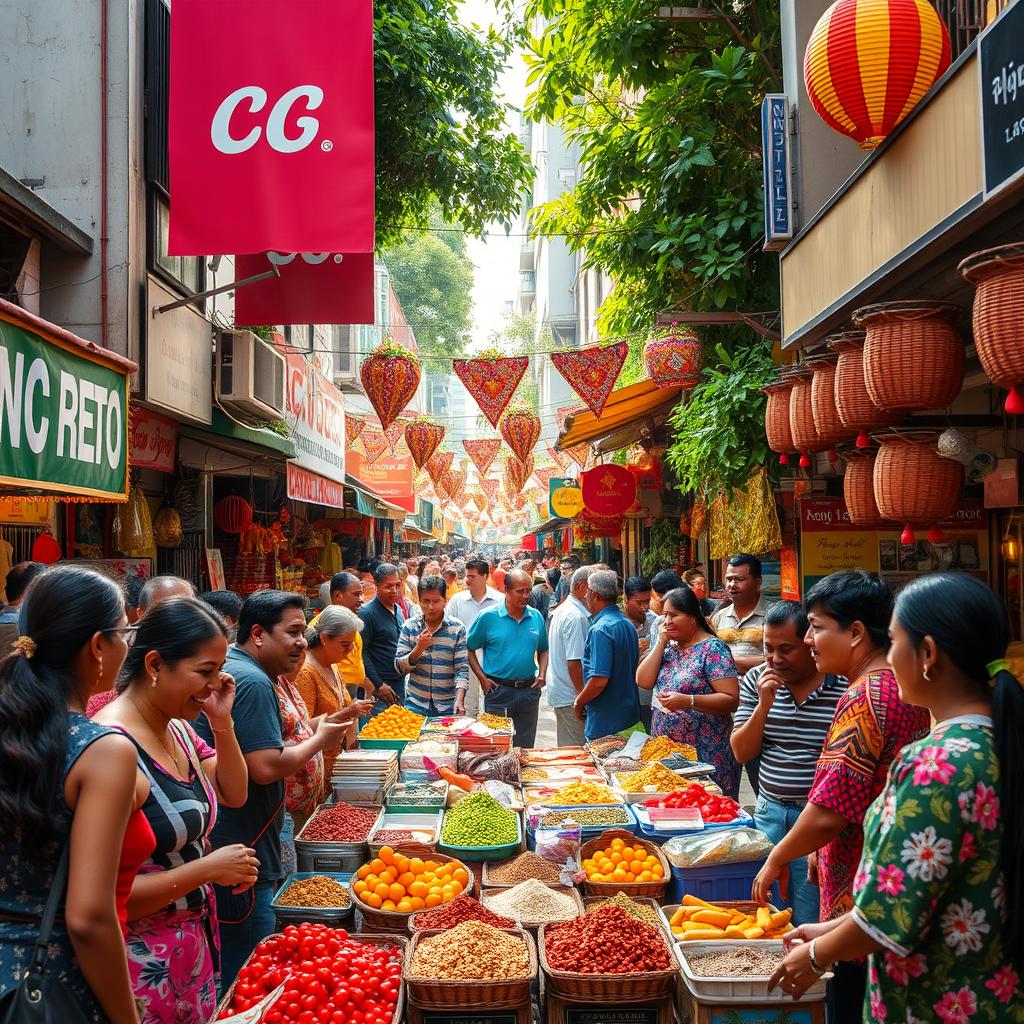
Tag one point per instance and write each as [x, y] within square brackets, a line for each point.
[491, 382]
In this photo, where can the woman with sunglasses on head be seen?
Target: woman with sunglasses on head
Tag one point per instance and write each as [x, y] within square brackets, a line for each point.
[938, 900]
[172, 672]
[69, 789]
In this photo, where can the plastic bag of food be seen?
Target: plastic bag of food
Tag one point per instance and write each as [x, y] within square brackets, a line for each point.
[501, 767]
[718, 846]
[559, 845]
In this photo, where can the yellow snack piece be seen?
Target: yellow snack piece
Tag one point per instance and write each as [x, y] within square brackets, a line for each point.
[660, 747]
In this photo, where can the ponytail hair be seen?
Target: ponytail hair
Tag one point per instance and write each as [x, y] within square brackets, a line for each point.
[175, 629]
[970, 626]
[63, 609]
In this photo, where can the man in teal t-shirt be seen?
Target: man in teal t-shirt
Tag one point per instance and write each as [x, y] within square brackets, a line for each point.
[513, 643]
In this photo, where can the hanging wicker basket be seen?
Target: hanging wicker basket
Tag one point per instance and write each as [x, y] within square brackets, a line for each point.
[914, 485]
[776, 417]
[801, 416]
[913, 357]
[859, 488]
[853, 403]
[831, 429]
[998, 317]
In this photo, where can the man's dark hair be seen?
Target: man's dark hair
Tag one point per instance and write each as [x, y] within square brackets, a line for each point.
[20, 577]
[636, 585]
[665, 581]
[479, 565]
[383, 571]
[225, 602]
[573, 560]
[752, 563]
[266, 608]
[855, 596]
[553, 575]
[783, 612]
[435, 583]
[343, 580]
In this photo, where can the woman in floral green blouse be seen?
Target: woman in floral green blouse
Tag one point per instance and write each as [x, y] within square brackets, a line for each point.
[939, 895]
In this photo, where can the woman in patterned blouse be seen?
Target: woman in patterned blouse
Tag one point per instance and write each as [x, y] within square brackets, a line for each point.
[939, 894]
[849, 614]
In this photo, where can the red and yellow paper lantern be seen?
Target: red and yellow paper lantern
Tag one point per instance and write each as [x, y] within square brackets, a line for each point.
[869, 62]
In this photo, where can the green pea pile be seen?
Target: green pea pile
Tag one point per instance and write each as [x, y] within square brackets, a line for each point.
[479, 820]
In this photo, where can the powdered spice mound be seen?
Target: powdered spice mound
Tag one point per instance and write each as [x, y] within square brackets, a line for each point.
[606, 941]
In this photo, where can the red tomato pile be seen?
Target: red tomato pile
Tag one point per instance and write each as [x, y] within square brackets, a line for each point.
[713, 808]
[329, 978]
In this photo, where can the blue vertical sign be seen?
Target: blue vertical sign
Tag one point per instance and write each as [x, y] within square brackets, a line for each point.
[775, 155]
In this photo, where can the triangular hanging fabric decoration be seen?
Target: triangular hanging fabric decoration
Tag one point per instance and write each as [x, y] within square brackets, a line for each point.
[492, 382]
[455, 484]
[545, 474]
[375, 444]
[490, 488]
[592, 372]
[580, 454]
[480, 500]
[395, 435]
[353, 427]
[483, 452]
[561, 459]
[438, 464]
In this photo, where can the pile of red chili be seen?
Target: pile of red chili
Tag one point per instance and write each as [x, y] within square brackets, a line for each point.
[340, 823]
[606, 941]
[462, 908]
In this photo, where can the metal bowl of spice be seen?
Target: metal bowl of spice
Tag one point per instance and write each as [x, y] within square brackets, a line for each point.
[316, 896]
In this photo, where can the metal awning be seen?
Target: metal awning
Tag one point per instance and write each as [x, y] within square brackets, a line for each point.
[550, 525]
[630, 412]
[413, 533]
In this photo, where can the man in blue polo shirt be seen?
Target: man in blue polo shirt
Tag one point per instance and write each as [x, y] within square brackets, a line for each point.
[514, 646]
[610, 700]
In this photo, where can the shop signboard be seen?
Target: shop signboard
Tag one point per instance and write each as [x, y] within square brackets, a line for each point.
[311, 288]
[776, 161]
[313, 488]
[26, 511]
[315, 414]
[390, 477]
[271, 131]
[564, 497]
[608, 490]
[63, 415]
[154, 441]
[829, 543]
[1001, 71]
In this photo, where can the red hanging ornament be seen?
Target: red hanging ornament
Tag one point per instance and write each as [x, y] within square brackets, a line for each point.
[592, 372]
[491, 380]
[673, 359]
[521, 429]
[375, 444]
[863, 441]
[232, 514]
[805, 460]
[390, 377]
[783, 459]
[907, 536]
[423, 438]
[935, 535]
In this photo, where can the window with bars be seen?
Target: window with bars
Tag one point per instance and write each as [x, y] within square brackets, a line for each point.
[966, 18]
[156, 75]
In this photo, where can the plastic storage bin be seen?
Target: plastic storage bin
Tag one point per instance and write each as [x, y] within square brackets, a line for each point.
[318, 915]
[714, 882]
[323, 857]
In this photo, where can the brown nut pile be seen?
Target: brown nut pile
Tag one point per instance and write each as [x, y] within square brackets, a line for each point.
[471, 951]
[316, 891]
[526, 865]
[739, 962]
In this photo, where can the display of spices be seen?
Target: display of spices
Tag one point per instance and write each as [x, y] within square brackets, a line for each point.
[606, 941]
[471, 951]
[651, 778]
[479, 820]
[527, 865]
[396, 723]
[316, 891]
[588, 816]
[660, 747]
[391, 836]
[340, 823]
[584, 793]
[411, 794]
[462, 908]
[499, 722]
[533, 901]
[739, 962]
[640, 911]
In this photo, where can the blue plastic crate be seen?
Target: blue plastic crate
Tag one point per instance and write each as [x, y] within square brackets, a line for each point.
[716, 882]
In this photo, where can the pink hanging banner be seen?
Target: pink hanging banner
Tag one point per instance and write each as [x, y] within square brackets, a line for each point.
[271, 133]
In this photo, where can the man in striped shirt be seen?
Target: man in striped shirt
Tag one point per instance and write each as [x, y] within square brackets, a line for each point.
[432, 650]
[786, 708]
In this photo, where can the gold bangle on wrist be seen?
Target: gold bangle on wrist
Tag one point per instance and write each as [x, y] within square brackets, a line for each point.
[217, 732]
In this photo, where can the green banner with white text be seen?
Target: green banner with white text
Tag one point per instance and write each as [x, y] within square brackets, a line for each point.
[63, 417]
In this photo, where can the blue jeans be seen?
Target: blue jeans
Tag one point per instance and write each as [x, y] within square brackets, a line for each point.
[775, 820]
[432, 710]
[521, 706]
[237, 941]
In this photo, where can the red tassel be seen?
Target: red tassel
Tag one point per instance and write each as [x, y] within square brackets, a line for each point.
[863, 441]
[935, 535]
[833, 455]
[805, 460]
[1014, 404]
[907, 536]
[783, 459]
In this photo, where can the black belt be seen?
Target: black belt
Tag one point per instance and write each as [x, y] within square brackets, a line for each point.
[515, 684]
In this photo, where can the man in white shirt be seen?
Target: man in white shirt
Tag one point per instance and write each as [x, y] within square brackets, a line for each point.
[466, 606]
[567, 638]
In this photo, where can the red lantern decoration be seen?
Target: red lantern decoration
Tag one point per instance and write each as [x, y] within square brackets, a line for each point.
[232, 514]
[521, 429]
[673, 360]
[608, 490]
[423, 438]
[853, 403]
[869, 62]
[390, 376]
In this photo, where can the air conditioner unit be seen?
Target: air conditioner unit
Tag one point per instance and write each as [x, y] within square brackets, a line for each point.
[250, 375]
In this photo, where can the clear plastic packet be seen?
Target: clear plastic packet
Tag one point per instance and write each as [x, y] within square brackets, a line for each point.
[559, 845]
[718, 846]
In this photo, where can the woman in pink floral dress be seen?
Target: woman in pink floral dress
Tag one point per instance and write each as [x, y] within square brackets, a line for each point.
[939, 893]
